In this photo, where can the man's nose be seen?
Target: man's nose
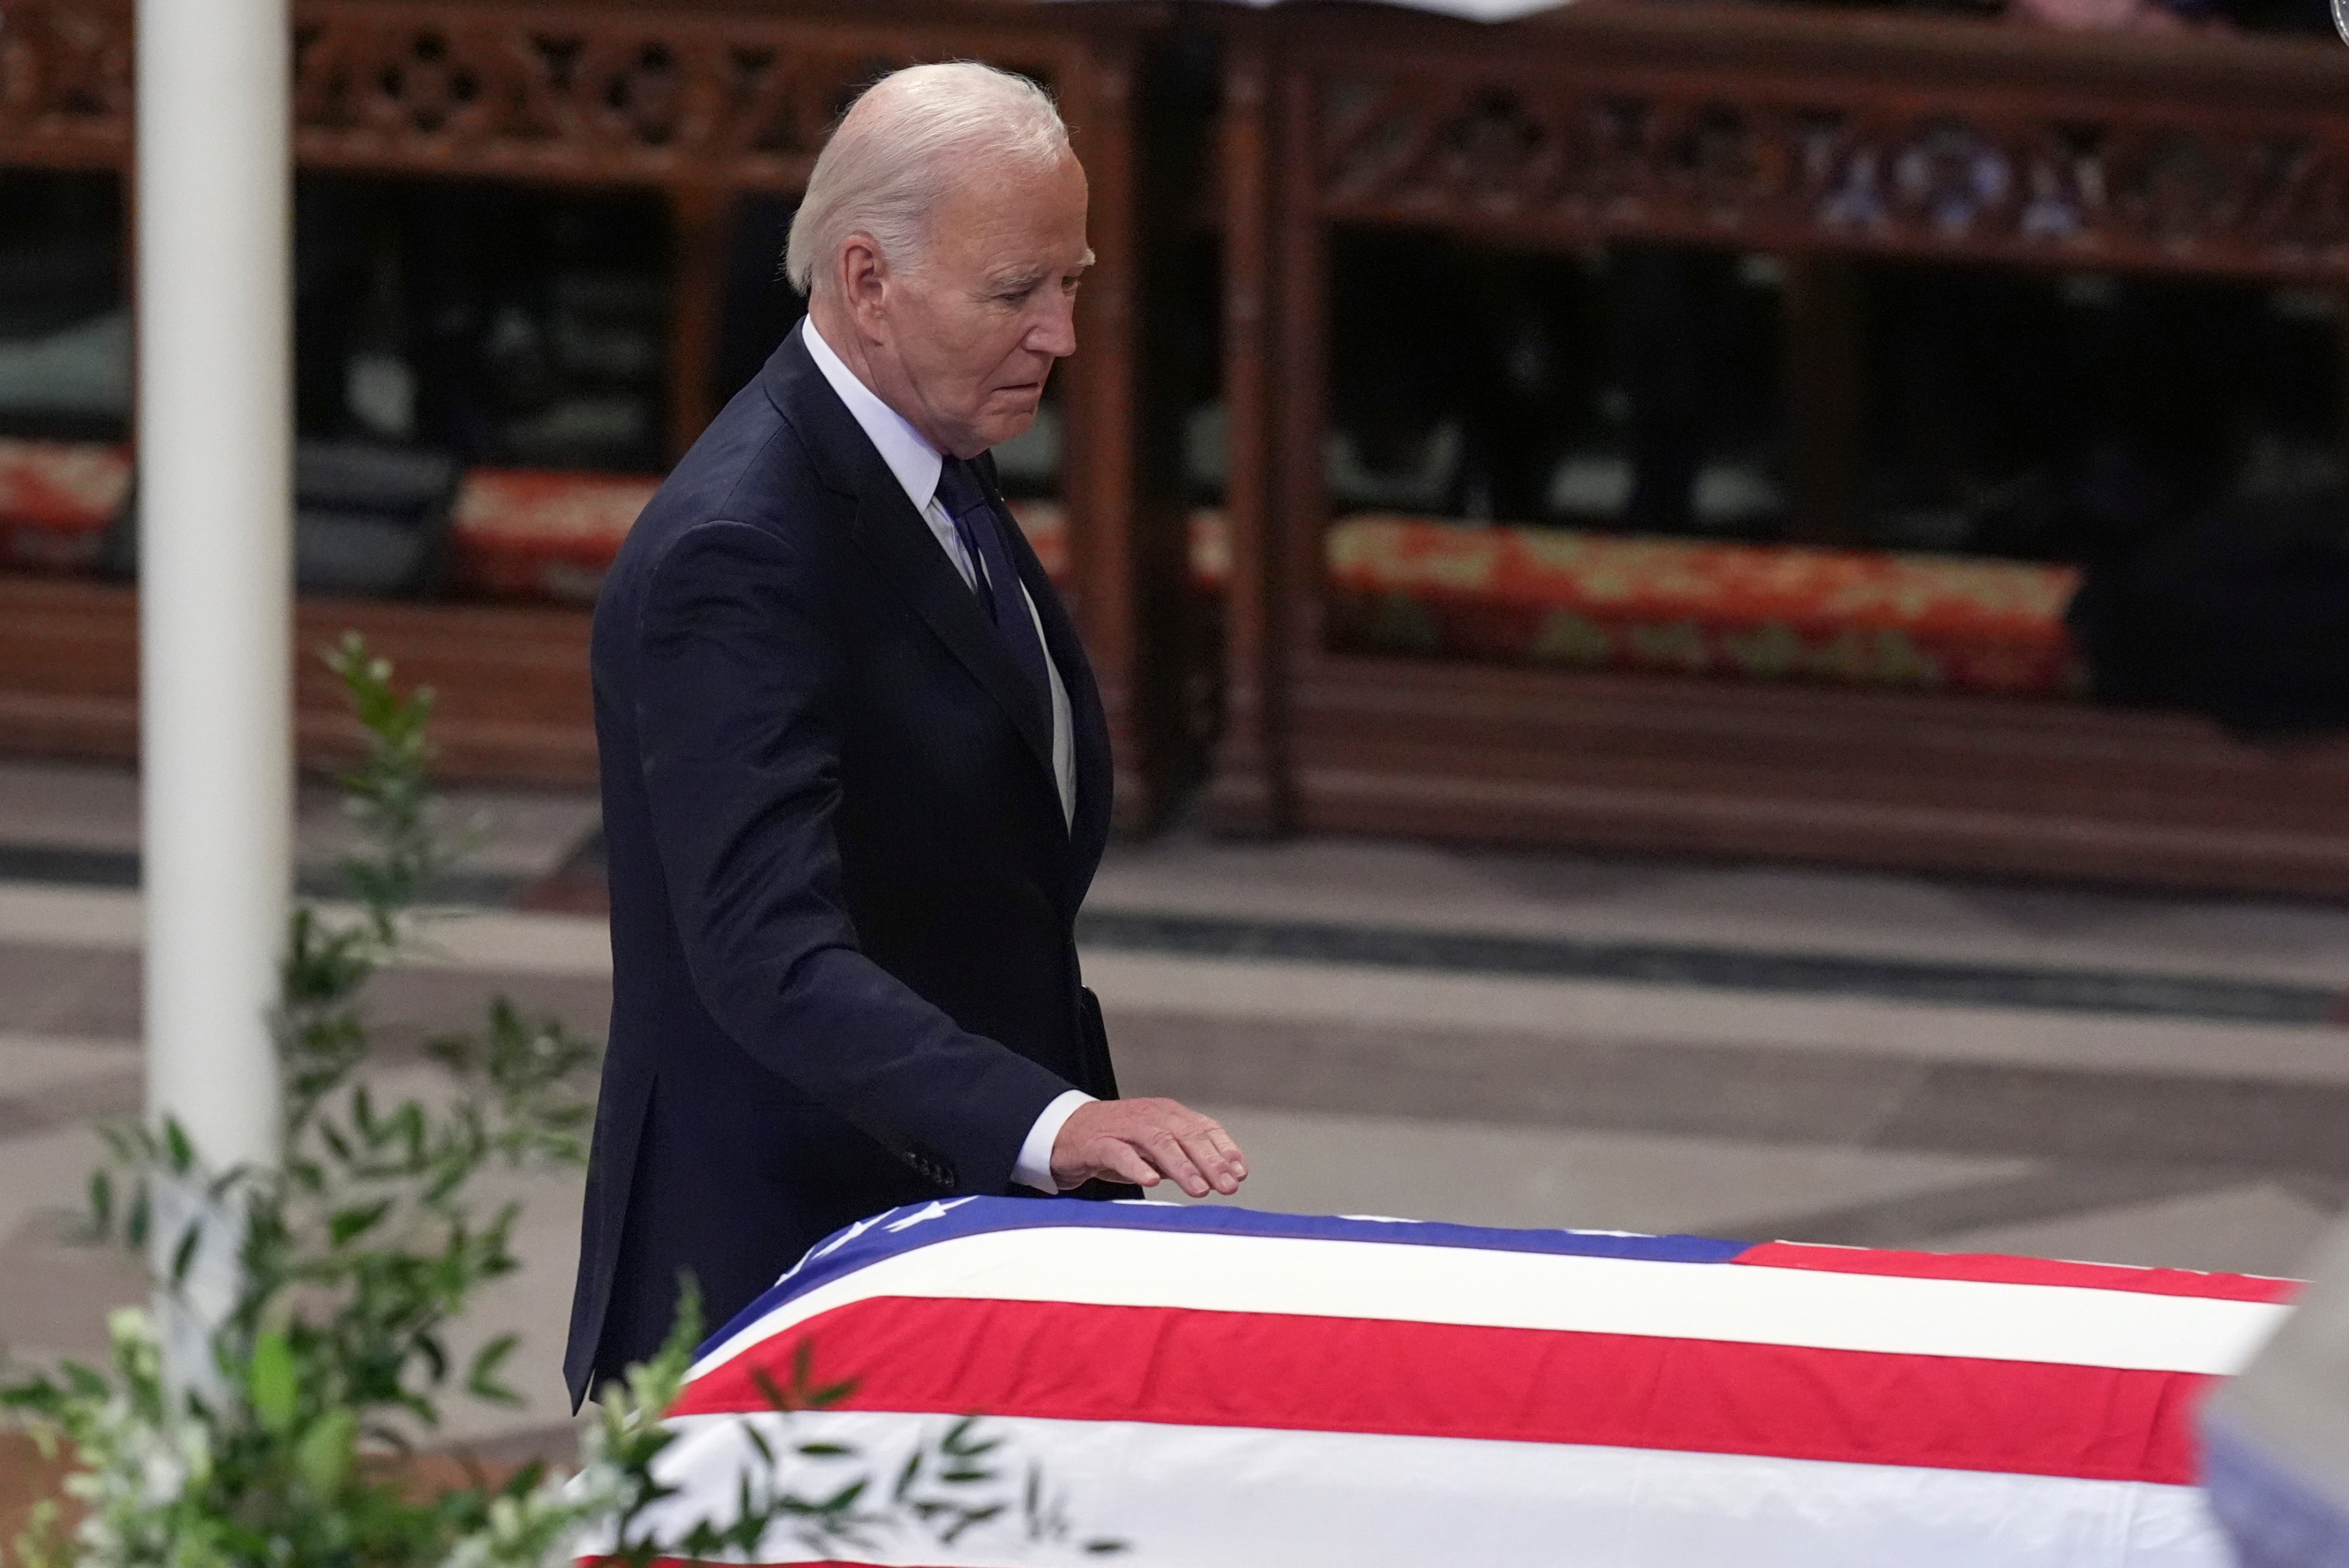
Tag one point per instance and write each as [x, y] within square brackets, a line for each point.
[1056, 333]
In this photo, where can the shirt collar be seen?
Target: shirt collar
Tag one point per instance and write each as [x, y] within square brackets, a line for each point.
[910, 457]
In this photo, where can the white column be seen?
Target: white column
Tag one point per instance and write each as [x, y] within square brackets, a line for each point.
[213, 213]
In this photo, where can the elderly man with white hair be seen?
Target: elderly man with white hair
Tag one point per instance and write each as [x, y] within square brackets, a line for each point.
[855, 773]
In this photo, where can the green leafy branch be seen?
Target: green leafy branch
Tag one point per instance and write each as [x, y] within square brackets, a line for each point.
[280, 1447]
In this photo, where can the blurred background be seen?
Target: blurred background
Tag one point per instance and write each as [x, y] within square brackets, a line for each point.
[1720, 617]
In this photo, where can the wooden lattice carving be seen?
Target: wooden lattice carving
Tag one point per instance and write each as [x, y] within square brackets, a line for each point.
[585, 92]
[64, 73]
[1580, 159]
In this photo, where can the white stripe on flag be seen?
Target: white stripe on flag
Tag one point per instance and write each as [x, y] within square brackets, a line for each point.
[1209, 1497]
[1744, 1304]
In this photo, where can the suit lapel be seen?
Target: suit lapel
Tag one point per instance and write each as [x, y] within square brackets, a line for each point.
[893, 534]
[899, 543]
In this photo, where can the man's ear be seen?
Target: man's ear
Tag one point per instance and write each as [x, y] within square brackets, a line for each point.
[863, 281]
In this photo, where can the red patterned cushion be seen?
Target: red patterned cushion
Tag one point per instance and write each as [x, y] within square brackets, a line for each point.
[539, 534]
[57, 500]
[1399, 584]
[532, 533]
[1535, 595]
[1046, 526]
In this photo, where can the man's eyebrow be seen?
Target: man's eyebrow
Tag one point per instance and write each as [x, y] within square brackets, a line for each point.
[1029, 277]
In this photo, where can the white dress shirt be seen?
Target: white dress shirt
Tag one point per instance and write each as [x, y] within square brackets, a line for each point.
[917, 465]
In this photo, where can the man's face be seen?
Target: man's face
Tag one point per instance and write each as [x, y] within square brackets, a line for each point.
[975, 323]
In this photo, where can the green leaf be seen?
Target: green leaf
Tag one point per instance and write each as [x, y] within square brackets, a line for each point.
[778, 1398]
[482, 1380]
[323, 1457]
[846, 1498]
[348, 1223]
[272, 1385]
[183, 1256]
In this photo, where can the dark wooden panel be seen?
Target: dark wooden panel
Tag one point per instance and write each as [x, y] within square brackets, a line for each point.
[1926, 781]
[512, 701]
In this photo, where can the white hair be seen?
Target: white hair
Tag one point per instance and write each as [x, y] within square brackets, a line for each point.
[901, 146]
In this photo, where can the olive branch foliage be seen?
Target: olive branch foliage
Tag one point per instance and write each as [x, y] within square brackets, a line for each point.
[325, 1358]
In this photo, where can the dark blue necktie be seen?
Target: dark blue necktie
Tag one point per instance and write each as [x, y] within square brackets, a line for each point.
[980, 528]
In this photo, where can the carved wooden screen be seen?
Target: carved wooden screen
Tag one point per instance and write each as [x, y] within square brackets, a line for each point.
[1781, 130]
[1812, 133]
[642, 94]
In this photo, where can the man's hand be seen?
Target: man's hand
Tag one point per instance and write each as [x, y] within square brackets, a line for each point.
[1140, 1141]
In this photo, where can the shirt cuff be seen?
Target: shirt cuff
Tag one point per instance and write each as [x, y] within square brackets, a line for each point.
[1034, 1167]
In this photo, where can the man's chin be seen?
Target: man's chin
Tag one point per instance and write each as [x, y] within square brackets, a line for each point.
[998, 428]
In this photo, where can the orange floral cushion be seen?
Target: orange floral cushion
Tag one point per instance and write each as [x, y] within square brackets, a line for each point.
[523, 533]
[1553, 596]
[56, 500]
[1398, 584]
[532, 533]
[1046, 527]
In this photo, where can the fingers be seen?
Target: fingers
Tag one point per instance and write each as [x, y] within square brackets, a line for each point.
[1144, 1141]
[1229, 1149]
[1190, 1150]
[1121, 1163]
[1208, 1156]
[1166, 1156]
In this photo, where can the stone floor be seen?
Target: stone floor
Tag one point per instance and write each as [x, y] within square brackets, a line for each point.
[1748, 1051]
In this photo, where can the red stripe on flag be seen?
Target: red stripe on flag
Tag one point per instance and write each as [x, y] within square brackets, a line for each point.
[730, 1562]
[1990, 1269]
[1060, 1361]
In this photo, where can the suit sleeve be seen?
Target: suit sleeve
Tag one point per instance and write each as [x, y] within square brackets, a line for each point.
[738, 675]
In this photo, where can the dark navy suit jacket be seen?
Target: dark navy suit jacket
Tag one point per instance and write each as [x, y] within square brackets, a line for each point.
[843, 968]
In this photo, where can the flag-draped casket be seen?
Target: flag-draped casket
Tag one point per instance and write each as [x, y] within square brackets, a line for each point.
[1221, 1387]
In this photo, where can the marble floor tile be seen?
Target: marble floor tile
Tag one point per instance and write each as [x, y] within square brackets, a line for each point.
[43, 1174]
[1483, 1174]
[55, 1290]
[1766, 907]
[74, 823]
[512, 832]
[61, 991]
[2258, 1228]
[31, 1063]
[1358, 996]
[68, 805]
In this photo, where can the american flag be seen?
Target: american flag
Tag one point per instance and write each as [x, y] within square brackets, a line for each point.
[1221, 1387]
